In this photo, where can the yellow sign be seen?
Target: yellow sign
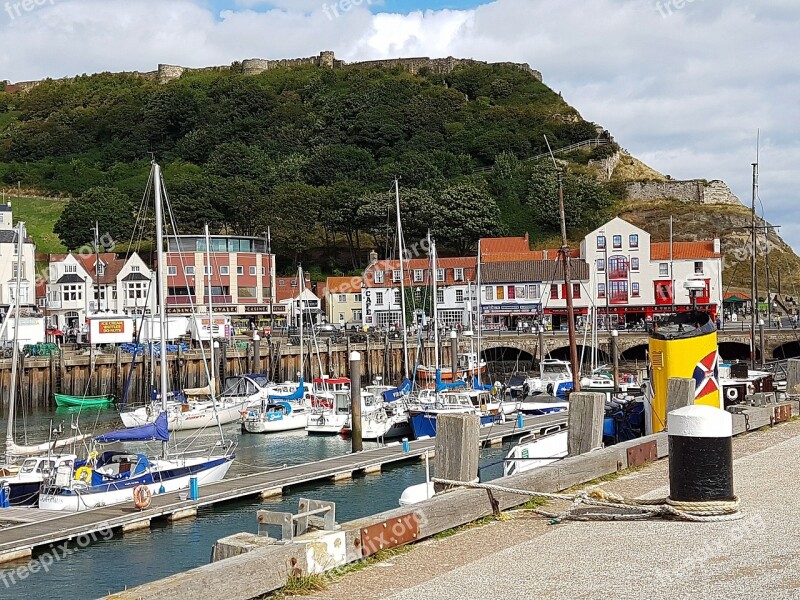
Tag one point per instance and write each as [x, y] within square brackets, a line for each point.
[111, 327]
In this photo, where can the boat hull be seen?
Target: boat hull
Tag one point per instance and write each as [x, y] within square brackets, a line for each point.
[326, 424]
[258, 424]
[423, 423]
[65, 401]
[172, 480]
[185, 421]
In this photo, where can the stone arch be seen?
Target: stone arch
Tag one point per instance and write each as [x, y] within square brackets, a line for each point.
[735, 351]
[507, 359]
[562, 353]
[637, 352]
[787, 350]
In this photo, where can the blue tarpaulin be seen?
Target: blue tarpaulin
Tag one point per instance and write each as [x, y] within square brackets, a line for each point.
[441, 386]
[397, 393]
[486, 387]
[156, 431]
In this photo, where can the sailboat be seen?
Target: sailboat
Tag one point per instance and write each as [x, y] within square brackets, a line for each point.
[109, 477]
[198, 408]
[26, 467]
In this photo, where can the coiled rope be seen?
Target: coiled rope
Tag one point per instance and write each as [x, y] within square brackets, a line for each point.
[698, 512]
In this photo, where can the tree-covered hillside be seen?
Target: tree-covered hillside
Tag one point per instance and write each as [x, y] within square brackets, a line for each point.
[309, 152]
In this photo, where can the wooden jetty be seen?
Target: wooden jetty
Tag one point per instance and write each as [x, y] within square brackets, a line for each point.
[28, 529]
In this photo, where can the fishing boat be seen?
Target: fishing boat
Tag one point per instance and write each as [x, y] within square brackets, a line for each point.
[66, 401]
[555, 377]
[109, 477]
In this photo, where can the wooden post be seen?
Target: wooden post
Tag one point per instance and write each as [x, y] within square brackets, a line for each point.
[457, 448]
[793, 376]
[586, 412]
[454, 356]
[761, 344]
[119, 378]
[256, 352]
[541, 347]
[223, 370]
[680, 393]
[355, 401]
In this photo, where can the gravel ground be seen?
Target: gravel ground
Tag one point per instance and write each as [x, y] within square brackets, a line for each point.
[757, 557]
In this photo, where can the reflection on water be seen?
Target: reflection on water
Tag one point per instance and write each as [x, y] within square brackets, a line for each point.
[168, 548]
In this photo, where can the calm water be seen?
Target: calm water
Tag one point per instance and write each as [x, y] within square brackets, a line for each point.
[111, 566]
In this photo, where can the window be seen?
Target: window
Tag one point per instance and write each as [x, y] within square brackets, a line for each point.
[253, 271]
[397, 298]
[136, 290]
[601, 290]
[357, 298]
[633, 240]
[280, 281]
[294, 283]
[246, 292]
[635, 289]
[101, 269]
[601, 242]
[619, 292]
[617, 241]
[576, 290]
[263, 271]
[67, 268]
[663, 269]
[171, 271]
[342, 298]
[379, 276]
[458, 274]
[135, 269]
[418, 275]
[554, 291]
[357, 315]
[266, 294]
[341, 317]
[698, 267]
[225, 270]
[439, 274]
[240, 271]
[489, 293]
[501, 292]
[533, 291]
[635, 264]
[440, 296]
[601, 265]
[618, 267]
[188, 271]
[520, 291]
[378, 297]
[14, 271]
[459, 296]
[512, 292]
[396, 275]
[208, 270]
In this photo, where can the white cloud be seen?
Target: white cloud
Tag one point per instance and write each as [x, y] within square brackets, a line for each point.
[685, 92]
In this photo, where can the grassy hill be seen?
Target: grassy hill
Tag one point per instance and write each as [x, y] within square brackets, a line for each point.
[40, 215]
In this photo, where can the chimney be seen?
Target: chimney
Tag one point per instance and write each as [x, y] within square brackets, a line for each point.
[527, 239]
[373, 258]
[717, 244]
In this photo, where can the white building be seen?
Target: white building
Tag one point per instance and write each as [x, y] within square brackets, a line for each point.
[9, 262]
[634, 278]
[382, 301]
[81, 285]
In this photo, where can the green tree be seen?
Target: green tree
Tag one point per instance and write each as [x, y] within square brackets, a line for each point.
[465, 214]
[107, 206]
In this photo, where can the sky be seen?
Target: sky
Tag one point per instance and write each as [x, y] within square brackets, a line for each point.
[684, 85]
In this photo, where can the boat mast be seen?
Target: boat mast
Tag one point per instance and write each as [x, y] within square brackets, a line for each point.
[162, 301]
[401, 250]
[480, 316]
[754, 272]
[12, 397]
[97, 306]
[212, 377]
[432, 244]
[573, 344]
[301, 286]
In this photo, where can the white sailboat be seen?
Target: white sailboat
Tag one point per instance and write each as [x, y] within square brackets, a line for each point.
[109, 477]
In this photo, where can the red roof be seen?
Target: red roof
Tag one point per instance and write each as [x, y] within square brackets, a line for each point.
[683, 250]
[521, 256]
[113, 264]
[467, 263]
[344, 285]
[284, 290]
[504, 245]
[741, 295]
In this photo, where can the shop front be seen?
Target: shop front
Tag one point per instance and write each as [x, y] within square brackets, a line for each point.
[511, 316]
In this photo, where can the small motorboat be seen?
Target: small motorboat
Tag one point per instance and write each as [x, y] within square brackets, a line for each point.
[66, 401]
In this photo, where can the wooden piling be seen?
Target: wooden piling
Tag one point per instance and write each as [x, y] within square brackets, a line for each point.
[586, 412]
[680, 393]
[457, 449]
[793, 376]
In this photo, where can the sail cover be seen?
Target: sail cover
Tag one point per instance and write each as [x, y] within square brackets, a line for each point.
[441, 386]
[155, 431]
[487, 387]
[397, 393]
[296, 395]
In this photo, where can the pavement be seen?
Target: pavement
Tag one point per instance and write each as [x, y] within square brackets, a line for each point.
[756, 557]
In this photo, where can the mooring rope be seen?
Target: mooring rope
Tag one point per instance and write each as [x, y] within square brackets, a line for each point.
[699, 512]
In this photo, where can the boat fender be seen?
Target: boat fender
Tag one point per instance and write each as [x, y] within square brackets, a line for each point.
[142, 496]
[550, 388]
[732, 393]
[751, 389]
[84, 474]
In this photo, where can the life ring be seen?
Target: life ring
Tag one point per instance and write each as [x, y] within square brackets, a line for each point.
[732, 393]
[84, 474]
[142, 496]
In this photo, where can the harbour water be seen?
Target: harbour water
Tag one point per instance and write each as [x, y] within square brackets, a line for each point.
[122, 562]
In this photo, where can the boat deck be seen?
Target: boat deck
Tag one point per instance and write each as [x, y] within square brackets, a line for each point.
[23, 530]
